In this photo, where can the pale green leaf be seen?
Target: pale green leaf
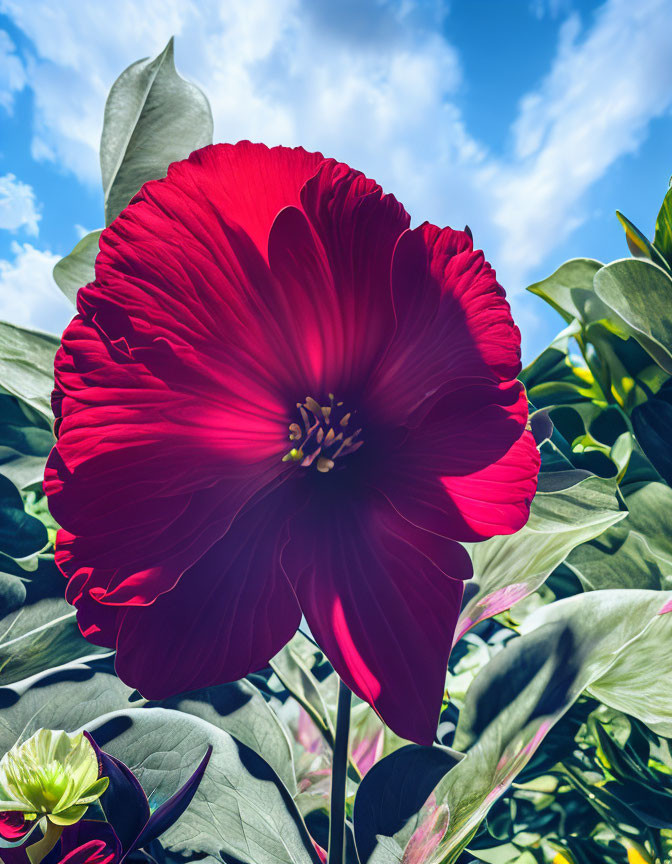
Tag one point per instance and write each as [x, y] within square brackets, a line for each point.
[152, 117]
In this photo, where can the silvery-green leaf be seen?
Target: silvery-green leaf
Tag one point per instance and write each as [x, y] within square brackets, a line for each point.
[65, 697]
[152, 117]
[42, 632]
[27, 365]
[507, 569]
[570, 288]
[77, 268]
[293, 666]
[640, 293]
[240, 709]
[636, 552]
[567, 647]
[25, 442]
[241, 811]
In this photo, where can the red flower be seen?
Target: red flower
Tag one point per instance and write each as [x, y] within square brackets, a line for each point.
[209, 486]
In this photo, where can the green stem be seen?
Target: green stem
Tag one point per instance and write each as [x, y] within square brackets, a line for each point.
[338, 776]
[43, 847]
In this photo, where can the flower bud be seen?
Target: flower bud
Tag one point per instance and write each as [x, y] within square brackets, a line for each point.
[52, 774]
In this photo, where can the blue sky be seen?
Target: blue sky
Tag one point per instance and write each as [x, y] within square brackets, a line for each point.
[530, 120]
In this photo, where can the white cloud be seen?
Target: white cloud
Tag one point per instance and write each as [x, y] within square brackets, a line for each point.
[12, 74]
[28, 294]
[594, 106]
[17, 205]
[374, 84]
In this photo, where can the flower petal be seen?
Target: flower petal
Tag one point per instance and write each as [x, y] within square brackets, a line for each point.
[89, 842]
[382, 611]
[469, 470]
[252, 182]
[227, 616]
[13, 825]
[333, 264]
[453, 321]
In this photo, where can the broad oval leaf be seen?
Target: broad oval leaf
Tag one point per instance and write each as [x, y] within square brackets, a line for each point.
[240, 709]
[507, 569]
[640, 293]
[241, 811]
[570, 288]
[152, 117]
[516, 699]
[389, 803]
[25, 442]
[65, 697]
[27, 365]
[78, 268]
[636, 552]
[41, 633]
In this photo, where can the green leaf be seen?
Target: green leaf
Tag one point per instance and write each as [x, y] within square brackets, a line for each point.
[516, 699]
[65, 697]
[25, 442]
[241, 710]
[638, 244]
[623, 665]
[21, 534]
[506, 569]
[43, 632]
[152, 117]
[569, 290]
[241, 811]
[652, 423]
[389, 814]
[641, 295]
[662, 239]
[27, 365]
[553, 379]
[77, 268]
[635, 553]
[293, 666]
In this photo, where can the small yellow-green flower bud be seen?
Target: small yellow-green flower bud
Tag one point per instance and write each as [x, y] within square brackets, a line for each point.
[637, 854]
[52, 774]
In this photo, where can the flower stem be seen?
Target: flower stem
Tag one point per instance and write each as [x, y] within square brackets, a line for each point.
[338, 775]
[43, 847]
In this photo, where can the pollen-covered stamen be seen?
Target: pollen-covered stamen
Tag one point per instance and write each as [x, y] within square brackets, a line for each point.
[324, 433]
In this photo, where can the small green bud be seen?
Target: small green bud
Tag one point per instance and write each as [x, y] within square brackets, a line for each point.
[52, 774]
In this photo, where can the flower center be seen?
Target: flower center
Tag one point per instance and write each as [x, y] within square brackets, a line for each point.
[324, 434]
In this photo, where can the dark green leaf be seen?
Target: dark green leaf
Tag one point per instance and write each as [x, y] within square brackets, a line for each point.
[638, 244]
[389, 812]
[21, 534]
[25, 441]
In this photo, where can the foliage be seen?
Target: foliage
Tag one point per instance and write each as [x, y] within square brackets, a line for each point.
[554, 741]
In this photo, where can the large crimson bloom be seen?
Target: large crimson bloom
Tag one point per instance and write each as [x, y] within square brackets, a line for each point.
[278, 399]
